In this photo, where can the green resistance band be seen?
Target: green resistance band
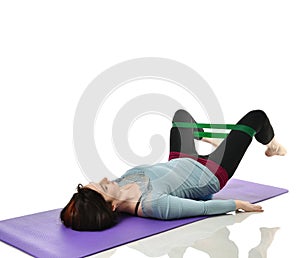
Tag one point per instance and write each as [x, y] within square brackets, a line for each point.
[244, 128]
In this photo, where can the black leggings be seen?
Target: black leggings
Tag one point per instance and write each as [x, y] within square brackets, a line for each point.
[231, 151]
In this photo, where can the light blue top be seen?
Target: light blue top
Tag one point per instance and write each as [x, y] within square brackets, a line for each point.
[178, 188]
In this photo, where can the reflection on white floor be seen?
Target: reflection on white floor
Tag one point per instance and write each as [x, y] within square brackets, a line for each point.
[201, 236]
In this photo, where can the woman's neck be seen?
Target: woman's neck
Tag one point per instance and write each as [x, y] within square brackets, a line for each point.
[129, 197]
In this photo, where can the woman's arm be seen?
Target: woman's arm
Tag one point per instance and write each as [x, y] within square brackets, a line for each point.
[172, 207]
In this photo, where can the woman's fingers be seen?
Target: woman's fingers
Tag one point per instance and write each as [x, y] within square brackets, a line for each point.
[247, 206]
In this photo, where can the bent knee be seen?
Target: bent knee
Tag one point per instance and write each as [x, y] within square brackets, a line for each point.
[182, 115]
[257, 114]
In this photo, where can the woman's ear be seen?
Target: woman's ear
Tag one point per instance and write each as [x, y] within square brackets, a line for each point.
[114, 206]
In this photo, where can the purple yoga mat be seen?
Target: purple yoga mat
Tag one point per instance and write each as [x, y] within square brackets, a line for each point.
[43, 235]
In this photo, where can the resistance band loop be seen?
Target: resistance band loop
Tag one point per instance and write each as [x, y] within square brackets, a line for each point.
[244, 128]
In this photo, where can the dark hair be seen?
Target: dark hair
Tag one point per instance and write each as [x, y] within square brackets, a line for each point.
[88, 211]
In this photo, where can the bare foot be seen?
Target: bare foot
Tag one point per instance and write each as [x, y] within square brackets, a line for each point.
[275, 148]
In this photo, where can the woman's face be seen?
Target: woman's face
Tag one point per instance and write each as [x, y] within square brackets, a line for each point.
[108, 189]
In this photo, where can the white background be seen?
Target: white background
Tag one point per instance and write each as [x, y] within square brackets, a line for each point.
[248, 52]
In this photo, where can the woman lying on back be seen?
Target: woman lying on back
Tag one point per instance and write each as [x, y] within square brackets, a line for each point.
[181, 187]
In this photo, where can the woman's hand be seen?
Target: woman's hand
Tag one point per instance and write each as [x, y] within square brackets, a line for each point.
[247, 206]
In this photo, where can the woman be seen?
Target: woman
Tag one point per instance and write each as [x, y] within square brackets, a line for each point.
[181, 187]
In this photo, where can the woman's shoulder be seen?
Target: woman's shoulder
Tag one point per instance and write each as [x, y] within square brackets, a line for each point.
[133, 171]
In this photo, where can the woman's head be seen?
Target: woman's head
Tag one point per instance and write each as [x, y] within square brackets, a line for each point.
[88, 211]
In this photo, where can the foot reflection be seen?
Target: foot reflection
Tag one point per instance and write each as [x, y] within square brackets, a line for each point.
[267, 236]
